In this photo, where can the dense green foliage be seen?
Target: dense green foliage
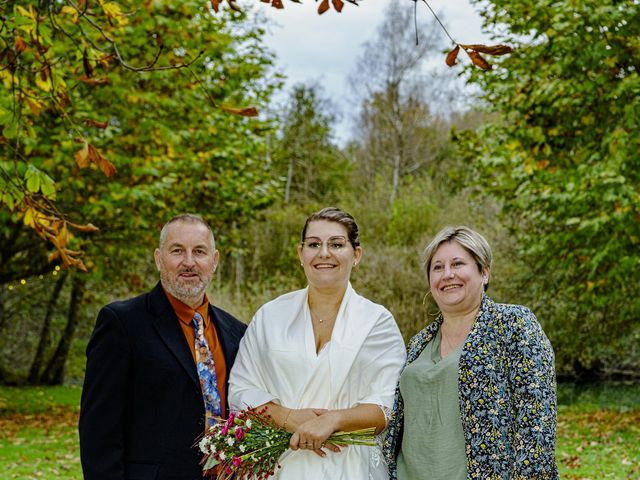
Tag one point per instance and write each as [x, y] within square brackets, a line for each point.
[116, 119]
[550, 176]
[564, 158]
[135, 97]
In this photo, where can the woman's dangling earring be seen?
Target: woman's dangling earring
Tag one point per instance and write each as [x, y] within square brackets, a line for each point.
[426, 295]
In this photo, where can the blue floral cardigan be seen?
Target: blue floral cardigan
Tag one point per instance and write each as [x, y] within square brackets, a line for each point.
[507, 392]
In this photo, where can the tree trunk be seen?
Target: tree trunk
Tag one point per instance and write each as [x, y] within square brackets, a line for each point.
[3, 295]
[54, 373]
[287, 190]
[45, 333]
[239, 268]
[396, 179]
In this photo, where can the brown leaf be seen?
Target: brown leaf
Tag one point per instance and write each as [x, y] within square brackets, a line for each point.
[95, 123]
[45, 73]
[234, 6]
[21, 45]
[81, 266]
[11, 59]
[63, 237]
[94, 81]
[105, 60]
[452, 56]
[89, 227]
[244, 112]
[82, 156]
[324, 6]
[477, 60]
[215, 5]
[338, 4]
[86, 64]
[93, 154]
[489, 49]
[106, 166]
[277, 4]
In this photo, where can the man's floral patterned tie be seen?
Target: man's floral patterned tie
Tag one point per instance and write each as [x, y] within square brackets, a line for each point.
[206, 372]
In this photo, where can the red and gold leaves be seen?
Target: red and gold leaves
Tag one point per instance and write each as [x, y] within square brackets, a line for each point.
[242, 111]
[55, 229]
[323, 7]
[452, 55]
[20, 44]
[474, 51]
[94, 81]
[95, 123]
[215, 5]
[274, 3]
[489, 49]
[89, 154]
[477, 60]
[338, 4]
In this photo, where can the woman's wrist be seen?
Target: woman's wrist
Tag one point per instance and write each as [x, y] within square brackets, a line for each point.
[284, 424]
[334, 417]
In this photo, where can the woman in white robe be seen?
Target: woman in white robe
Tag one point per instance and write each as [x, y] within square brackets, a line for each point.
[322, 359]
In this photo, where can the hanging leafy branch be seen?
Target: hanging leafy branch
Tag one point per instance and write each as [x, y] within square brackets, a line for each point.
[322, 8]
[473, 51]
[53, 57]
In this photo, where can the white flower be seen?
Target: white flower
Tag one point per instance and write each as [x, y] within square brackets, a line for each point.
[222, 456]
[242, 448]
[230, 441]
[203, 445]
[248, 423]
[268, 443]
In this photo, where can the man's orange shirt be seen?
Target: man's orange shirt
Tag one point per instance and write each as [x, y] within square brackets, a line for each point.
[185, 315]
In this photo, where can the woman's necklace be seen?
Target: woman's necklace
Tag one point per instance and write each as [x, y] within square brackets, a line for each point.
[314, 316]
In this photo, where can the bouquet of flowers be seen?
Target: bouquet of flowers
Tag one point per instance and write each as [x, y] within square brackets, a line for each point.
[249, 444]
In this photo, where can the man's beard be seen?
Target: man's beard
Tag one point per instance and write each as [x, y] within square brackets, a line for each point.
[180, 290]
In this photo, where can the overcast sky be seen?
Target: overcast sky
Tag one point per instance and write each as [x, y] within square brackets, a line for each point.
[324, 48]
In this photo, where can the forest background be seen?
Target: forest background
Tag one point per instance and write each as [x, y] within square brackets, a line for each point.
[115, 118]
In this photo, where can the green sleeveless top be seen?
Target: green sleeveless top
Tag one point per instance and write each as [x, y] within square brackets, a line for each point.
[433, 446]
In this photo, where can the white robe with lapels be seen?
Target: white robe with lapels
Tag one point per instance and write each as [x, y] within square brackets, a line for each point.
[277, 362]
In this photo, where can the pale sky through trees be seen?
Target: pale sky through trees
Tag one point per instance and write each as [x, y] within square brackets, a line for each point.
[324, 48]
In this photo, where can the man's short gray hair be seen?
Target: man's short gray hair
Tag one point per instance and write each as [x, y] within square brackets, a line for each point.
[187, 218]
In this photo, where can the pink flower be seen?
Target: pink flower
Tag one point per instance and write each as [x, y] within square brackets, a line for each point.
[236, 461]
[232, 415]
[224, 430]
[239, 433]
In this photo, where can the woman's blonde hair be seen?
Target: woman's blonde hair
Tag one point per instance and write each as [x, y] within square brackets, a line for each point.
[467, 238]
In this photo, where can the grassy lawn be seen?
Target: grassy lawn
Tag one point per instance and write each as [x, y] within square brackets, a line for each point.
[38, 433]
[598, 433]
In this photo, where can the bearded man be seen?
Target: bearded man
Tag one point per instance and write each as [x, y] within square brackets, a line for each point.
[158, 367]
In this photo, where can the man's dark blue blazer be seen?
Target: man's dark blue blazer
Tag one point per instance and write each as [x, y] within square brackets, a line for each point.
[142, 409]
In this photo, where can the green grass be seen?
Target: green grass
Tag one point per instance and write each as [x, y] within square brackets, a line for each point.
[38, 433]
[598, 432]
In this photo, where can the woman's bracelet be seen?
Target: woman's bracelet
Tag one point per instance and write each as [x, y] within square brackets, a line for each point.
[284, 425]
